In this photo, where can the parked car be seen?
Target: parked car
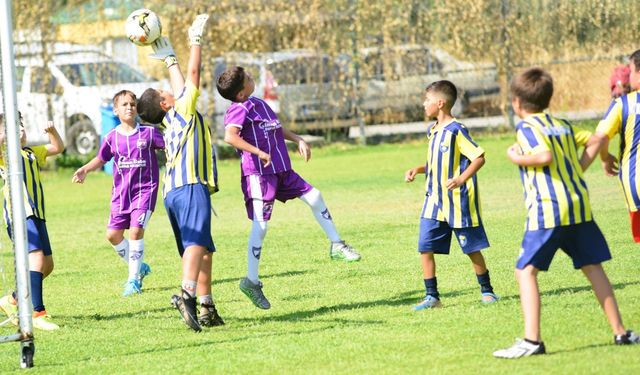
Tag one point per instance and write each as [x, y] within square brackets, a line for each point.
[394, 78]
[304, 87]
[73, 85]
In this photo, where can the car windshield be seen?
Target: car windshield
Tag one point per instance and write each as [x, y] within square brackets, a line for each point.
[101, 73]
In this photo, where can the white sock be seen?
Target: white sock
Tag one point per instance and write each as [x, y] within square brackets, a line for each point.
[206, 300]
[321, 213]
[122, 249]
[258, 231]
[136, 254]
[189, 286]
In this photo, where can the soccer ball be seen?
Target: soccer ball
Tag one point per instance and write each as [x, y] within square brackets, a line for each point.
[143, 27]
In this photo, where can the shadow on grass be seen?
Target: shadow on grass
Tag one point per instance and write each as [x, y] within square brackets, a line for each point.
[237, 280]
[571, 290]
[579, 348]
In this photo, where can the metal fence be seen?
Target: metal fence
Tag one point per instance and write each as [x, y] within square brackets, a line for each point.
[326, 65]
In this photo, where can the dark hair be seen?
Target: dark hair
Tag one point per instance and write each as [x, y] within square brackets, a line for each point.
[231, 82]
[2, 117]
[446, 88]
[149, 108]
[122, 93]
[534, 88]
[635, 59]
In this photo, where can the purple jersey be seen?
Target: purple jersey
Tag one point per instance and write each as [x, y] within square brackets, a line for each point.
[135, 172]
[259, 126]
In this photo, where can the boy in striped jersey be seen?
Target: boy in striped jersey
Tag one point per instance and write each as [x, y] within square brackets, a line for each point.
[452, 202]
[135, 185]
[40, 256]
[559, 214]
[254, 130]
[190, 175]
[622, 118]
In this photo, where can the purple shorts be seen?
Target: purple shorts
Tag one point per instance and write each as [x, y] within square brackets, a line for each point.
[136, 218]
[260, 191]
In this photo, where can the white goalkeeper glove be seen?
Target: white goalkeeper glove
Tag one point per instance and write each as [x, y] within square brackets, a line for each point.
[196, 29]
[163, 50]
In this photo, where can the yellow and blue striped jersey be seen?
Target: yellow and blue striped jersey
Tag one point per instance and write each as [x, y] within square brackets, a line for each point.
[556, 194]
[32, 159]
[622, 118]
[190, 156]
[450, 152]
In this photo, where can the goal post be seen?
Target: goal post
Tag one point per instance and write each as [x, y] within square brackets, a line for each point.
[14, 177]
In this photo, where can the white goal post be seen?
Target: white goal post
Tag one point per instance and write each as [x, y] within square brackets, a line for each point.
[15, 177]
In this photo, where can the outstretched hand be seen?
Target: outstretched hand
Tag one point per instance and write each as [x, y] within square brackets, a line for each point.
[79, 176]
[197, 29]
[163, 50]
[610, 166]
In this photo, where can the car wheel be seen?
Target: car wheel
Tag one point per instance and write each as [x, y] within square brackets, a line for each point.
[82, 138]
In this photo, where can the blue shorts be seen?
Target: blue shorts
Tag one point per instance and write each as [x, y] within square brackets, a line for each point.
[189, 210]
[435, 237]
[37, 235]
[583, 243]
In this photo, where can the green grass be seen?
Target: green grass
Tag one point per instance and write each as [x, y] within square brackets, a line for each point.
[327, 317]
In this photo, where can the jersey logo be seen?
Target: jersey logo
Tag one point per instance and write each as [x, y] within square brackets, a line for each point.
[142, 143]
[444, 147]
[463, 240]
[256, 251]
[267, 208]
[269, 125]
[325, 214]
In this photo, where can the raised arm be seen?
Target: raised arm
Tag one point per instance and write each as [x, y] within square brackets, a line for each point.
[195, 55]
[56, 145]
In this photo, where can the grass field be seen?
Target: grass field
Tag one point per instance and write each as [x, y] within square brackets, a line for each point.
[326, 317]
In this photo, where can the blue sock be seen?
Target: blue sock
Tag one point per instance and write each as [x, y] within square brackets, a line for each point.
[36, 290]
[485, 283]
[431, 285]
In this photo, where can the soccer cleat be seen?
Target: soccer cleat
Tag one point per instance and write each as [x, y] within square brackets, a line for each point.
[132, 287]
[9, 306]
[186, 305]
[42, 320]
[144, 271]
[343, 251]
[254, 292]
[629, 338]
[489, 298]
[209, 316]
[429, 302]
[521, 348]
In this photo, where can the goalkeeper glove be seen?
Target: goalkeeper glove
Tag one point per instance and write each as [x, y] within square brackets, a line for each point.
[196, 29]
[162, 50]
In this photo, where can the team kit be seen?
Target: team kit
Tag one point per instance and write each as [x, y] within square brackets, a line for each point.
[549, 152]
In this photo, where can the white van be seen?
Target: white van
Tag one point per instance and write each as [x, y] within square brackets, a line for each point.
[70, 90]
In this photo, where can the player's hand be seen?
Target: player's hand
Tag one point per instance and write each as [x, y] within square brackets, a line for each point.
[79, 176]
[163, 50]
[410, 175]
[265, 158]
[197, 28]
[304, 150]
[453, 183]
[610, 166]
[514, 151]
[49, 127]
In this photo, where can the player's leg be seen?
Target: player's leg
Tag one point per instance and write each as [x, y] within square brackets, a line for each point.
[137, 268]
[208, 316]
[40, 262]
[530, 301]
[473, 240]
[116, 226]
[434, 238]
[293, 186]
[259, 193]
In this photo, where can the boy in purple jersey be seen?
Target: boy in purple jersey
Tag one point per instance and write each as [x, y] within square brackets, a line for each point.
[253, 129]
[135, 185]
[451, 203]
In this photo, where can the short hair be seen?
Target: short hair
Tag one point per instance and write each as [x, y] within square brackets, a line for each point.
[231, 82]
[446, 89]
[534, 88]
[2, 117]
[635, 59]
[149, 108]
[122, 93]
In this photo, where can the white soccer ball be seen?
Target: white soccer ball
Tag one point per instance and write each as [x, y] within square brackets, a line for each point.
[143, 27]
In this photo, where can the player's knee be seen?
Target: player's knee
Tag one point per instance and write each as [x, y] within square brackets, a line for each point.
[114, 237]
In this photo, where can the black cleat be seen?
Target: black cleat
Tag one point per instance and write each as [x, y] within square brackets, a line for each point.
[629, 338]
[209, 316]
[186, 305]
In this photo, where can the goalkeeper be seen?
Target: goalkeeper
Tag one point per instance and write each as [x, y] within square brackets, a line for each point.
[190, 175]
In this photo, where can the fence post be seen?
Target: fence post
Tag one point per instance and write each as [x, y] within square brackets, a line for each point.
[507, 110]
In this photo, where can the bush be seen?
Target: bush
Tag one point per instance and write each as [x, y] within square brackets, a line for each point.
[73, 161]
